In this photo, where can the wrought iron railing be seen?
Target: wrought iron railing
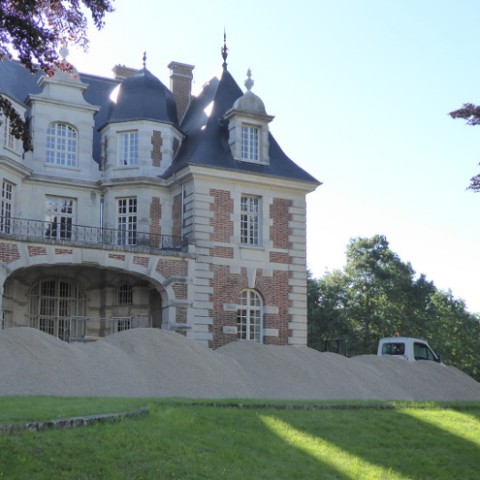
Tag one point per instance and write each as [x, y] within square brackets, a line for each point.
[67, 233]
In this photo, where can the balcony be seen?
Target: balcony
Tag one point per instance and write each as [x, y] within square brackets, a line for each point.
[64, 233]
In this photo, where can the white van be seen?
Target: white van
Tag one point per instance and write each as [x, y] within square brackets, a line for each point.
[410, 349]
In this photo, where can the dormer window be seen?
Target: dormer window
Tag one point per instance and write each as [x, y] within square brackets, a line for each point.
[250, 143]
[248, 127]
[61, 145]
[128, 148]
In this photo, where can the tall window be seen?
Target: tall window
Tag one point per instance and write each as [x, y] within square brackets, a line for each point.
[125, 294]
[250, 143]
[249, 316]
[128, 148]
[52, 302]
[59, 218]
[6, 207]
[10, 141]
[127, 221]
[61, 145]
[250, 220]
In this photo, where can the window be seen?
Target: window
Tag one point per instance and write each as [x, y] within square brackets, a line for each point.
[61, 145]
[250, 220]
[128, 148]
[250, 143]
[10, 141]
[125, 294]
[6, 207]
[249, 316]
[59, 218]
[127, 221]
[52, 302]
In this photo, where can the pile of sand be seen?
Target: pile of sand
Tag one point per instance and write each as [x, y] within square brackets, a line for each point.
[155, 363]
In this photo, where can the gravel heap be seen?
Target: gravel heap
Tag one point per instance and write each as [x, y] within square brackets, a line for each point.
[156, 363]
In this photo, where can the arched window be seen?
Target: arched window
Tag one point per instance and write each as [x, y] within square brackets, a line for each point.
[125, 294]
[61, 145]
[52, 303]
[250, 316]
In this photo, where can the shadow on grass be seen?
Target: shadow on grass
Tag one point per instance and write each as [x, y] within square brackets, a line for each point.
[389, 444]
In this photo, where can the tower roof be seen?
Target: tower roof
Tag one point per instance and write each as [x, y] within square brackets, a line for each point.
[143, 96]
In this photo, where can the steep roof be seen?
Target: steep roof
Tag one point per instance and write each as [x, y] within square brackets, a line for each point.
[143, 96]
[206, 142]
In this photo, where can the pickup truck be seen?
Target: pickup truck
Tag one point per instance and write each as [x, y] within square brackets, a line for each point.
[409, 348]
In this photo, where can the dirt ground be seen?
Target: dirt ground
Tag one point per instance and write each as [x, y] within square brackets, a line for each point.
[156, 363]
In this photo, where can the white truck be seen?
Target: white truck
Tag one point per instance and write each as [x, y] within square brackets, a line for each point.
[410, 349]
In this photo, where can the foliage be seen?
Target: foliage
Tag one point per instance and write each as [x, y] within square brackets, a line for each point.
[179, 440]
[470, 113]
[377, 295]
[35, 30]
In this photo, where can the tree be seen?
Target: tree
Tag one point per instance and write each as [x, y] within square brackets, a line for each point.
[35, 30]
[376, 295]
[470, 113]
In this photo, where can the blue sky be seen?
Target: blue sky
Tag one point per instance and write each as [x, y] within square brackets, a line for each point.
[360, 91]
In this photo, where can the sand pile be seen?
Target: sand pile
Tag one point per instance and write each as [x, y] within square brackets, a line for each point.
[155, 363]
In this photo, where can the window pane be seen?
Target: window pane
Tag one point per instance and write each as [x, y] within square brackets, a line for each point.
[61, 145]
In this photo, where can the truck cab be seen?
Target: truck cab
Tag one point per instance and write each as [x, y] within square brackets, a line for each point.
[408, 348]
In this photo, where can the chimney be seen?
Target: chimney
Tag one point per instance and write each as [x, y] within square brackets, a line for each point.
[181, 77]
[122, 72]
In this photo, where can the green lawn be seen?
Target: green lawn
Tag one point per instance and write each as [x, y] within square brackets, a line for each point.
[184, 441]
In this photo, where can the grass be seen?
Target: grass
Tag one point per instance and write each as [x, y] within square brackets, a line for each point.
[184, 441]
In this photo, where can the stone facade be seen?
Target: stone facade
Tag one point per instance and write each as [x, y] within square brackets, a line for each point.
[124, 227]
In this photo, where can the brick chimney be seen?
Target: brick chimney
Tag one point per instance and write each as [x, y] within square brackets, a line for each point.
[122, 72]
[181, 77]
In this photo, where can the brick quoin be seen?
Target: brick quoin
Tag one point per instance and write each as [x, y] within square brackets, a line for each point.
[222, 208]
[157, 142]
[143, 261]
[180, 290]
[35, 251]
[63, 251]
[227, 288]
[181, 315]
[281, 217]
[168, 268]
[116, 256]
[222, 252]
[9, 253]
[276, 257]
[155, 216]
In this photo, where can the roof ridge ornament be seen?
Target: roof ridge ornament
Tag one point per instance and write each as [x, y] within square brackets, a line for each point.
[144, 59]
[224, 50]
[249, 82]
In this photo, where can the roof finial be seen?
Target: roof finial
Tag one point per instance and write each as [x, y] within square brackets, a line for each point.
[224, 50]
[144, 59]
[249, 82]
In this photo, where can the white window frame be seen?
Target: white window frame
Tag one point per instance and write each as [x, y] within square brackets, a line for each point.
[6, 207]
[128, 148]
[250, 150]
[59, 217]
[10, 141]
[127, 221]
[250, 316]
[250, 220]
[62, 145]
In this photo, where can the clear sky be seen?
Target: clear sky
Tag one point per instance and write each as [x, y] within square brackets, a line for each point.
[360, 91]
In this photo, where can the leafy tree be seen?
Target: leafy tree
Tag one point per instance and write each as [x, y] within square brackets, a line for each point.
[34, 31]
[470, 113]
[376, 295]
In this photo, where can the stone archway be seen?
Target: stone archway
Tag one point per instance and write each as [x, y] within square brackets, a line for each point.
[75, 302]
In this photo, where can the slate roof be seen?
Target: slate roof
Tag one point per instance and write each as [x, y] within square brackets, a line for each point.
[143, 96]
[206, 142]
